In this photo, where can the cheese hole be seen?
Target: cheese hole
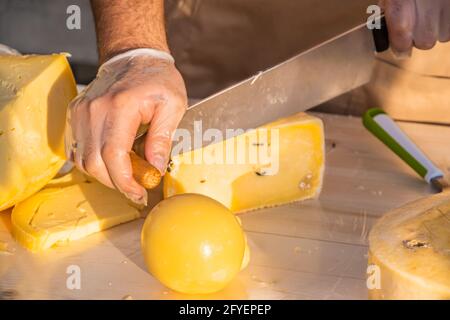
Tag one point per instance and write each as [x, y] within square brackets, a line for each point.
[412, 244]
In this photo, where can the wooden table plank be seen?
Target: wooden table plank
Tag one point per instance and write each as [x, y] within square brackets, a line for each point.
[316, 249]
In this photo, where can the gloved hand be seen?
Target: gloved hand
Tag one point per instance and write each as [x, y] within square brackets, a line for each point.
[416, 23]
[5, 50]
[137, 87]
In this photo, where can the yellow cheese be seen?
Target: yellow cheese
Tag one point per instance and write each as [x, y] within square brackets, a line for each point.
[72, 211]
[34, 94]
[193, 244]
[73, 177]
[410, 250]
[288, 167]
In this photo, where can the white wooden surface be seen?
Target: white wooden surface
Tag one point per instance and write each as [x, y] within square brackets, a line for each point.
[311, 250]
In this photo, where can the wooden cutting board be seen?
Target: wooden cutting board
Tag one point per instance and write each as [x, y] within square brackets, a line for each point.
[316, 249]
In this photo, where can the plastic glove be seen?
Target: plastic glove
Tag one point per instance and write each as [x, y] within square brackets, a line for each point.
[416, 23]
[137, 87]
[5, 50]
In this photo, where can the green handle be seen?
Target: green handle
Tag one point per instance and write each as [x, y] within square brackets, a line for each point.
[385, 129]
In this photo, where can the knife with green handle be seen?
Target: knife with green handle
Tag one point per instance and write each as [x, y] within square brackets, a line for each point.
[384, 128]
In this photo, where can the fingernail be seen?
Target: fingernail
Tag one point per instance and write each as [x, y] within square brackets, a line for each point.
[160, 163]
[137, 198]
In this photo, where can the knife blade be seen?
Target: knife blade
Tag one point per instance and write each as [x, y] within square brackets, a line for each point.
[308, 79]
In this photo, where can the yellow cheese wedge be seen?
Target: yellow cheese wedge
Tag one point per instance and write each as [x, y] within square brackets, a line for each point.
[61, 214]
[34, 94]
[288, 166]
[410, 250]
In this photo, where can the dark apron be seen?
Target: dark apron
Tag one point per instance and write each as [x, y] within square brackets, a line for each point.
[219, 42]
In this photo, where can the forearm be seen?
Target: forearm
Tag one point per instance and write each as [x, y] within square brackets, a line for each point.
[128, 24]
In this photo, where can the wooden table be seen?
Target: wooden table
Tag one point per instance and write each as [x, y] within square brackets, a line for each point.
[316, 249]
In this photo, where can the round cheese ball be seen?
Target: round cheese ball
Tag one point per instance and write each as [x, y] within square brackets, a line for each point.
[193, 244]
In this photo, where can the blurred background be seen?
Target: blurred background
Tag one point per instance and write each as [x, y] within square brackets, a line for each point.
[39, 26]
[215, 43]
[219, 42]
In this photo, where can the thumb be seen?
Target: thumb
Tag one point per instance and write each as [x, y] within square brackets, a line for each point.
[158, 142]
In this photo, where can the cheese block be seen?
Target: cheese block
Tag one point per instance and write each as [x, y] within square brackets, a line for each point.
[68, 211]
[410, 250]
[276, 164]
[34, 94]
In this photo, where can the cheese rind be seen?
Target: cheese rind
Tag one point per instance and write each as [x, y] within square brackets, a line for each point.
[291, 171]
[61, 214]
[34, 94]
[411, 249]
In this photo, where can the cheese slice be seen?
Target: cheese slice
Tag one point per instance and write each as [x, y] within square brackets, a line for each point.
[410, 249]
[69, 211]
[72, 177]
[276, 164]
[34, 94]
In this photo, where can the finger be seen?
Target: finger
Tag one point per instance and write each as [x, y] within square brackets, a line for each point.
[69, 131]
[400, 18]
[159, 137]
[426, 31]
[70, 144]
[96, 167]
[78, 121]
[444, 28]
[118, 135]
[92, 160]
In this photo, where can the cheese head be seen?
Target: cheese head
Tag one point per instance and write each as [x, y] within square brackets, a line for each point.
[193, 244]
[34, 94]
[276, 164]
[409, 255]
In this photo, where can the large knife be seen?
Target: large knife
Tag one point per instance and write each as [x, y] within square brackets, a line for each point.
[310, 78]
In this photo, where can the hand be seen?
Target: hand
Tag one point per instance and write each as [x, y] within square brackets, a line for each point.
[103, 120]
[416, 23]
[5, 51]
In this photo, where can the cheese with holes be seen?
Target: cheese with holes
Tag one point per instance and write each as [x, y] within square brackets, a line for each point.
[34, 94]
[276, 164]
[70, 209]
[409, 254]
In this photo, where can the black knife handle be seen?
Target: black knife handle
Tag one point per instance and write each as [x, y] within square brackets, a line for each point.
[381, 36]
